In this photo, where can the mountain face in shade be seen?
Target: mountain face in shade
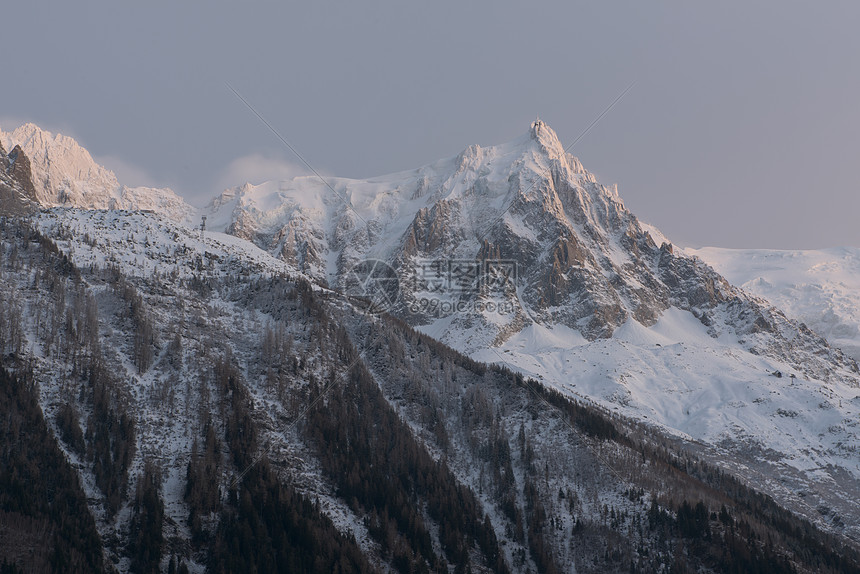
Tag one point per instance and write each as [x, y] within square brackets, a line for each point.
[17, 192]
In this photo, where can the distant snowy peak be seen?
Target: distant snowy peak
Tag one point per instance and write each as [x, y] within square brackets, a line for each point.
[819, 287]
[65, 174]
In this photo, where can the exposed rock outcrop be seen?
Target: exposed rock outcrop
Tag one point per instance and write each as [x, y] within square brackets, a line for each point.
[17, 192]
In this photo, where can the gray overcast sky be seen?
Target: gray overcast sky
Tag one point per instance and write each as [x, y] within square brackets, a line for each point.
[743, 129]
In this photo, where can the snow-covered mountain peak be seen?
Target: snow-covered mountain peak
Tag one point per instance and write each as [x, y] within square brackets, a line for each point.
[63, 171]
[65, 174]
[547, 138]
[538, 153]
[322, 226]
[30, 135]
[583, 257]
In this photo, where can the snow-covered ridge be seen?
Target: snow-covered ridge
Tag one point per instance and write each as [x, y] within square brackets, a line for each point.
[144, 245]
[65, 174]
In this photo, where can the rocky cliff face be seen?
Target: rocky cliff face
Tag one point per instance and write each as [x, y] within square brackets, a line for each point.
[17, 192]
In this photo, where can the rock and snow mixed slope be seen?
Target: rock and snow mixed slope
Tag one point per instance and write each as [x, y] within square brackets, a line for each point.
[65, 174]
[202, 341]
